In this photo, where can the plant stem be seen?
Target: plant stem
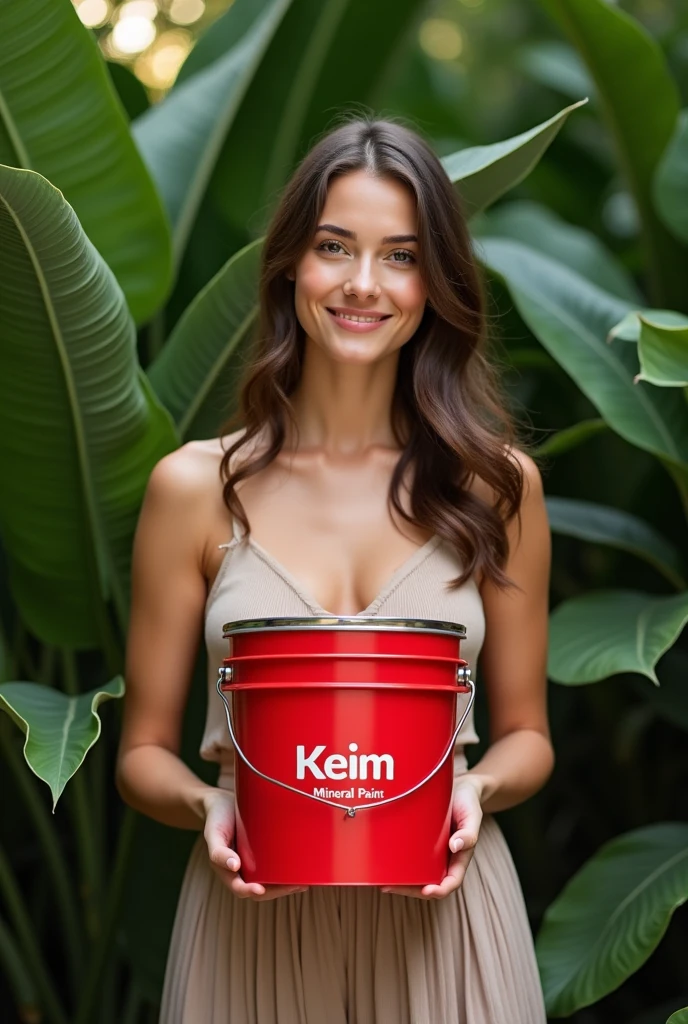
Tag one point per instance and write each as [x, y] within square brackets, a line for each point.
[87, 845]
[106, 938]
[111, 648]
[46, 669]
[19, 977]
[679, 475]
[54, 860]
[98, 794]
[8, 669]
[28, 943]
[155, 336]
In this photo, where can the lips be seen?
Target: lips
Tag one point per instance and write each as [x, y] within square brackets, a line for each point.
[357, 326]
[350, 311]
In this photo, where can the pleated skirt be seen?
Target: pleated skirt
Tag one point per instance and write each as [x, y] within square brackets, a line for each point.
[354, 955]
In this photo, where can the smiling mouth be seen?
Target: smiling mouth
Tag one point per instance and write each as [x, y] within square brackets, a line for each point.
[359, 319]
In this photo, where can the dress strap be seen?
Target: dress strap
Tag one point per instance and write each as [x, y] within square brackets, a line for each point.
[237, 530]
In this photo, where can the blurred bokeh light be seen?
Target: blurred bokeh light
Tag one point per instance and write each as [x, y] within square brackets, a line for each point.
[478, 54]
[186, 12]
[151, 38]
[94, 13]
[441, 39]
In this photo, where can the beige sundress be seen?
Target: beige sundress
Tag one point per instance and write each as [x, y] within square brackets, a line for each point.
[349, 955]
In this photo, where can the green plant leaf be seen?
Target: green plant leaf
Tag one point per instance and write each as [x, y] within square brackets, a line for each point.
[628, 329]
[267, 63]
[181, 137]
[80, 428]
[670, 187]
[60, 116]
[640, 107]
[484, 173]
[564, 440]
[541, 229]
[606, 632]
[680, 1017]
[616, 528]
[194, 373]
[663, 354]
[572, 318]
[131, 91]
[303, 53]
[60, 730]
[611, 915]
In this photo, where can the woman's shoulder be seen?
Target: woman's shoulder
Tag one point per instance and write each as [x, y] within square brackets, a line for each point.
[530, 472]
[193, 467]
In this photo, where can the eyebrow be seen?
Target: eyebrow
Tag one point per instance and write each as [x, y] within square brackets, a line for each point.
[345, 233]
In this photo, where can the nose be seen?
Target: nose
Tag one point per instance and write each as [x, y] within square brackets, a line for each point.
[361, 281]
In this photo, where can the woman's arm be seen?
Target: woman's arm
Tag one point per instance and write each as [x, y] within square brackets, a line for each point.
[513, 661]
[168, 600]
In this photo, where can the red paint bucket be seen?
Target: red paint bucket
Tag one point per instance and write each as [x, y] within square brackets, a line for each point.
[344, 730]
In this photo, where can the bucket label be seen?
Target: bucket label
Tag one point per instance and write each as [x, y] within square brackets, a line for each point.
[354, 793]
[339, 766]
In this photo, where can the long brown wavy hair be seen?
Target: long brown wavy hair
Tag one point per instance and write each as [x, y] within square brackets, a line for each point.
[449, 416]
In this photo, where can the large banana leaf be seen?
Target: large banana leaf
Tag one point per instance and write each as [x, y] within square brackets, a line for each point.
[640, 101]
[306, 54]
[181, 138]
[611, 916]
[60, 116]
[616, 528]
[203, 135]
[80, 428]
[663, 354]
[194, 375]
[571, 317]
[487, 172]
[671, 181]
[541, 229]
[607, 632]
[60, 729]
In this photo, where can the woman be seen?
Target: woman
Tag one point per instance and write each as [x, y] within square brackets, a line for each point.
[376, 473]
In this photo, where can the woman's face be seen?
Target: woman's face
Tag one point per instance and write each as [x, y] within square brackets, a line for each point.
[361, 262]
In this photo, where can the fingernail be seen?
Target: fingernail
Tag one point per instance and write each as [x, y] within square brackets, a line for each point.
[232, 863]
[456, 844]
[386, 890]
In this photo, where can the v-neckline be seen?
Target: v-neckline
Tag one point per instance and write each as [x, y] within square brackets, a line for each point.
[406, 567]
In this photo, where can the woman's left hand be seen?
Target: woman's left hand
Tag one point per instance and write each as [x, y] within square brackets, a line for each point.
[467, 816]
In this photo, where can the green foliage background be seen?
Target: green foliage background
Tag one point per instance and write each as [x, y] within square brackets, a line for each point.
[129, 242]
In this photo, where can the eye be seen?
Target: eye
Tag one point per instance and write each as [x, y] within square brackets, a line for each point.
[328, 242]
[404, 252]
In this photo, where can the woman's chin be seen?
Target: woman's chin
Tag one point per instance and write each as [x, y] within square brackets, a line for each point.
[356, 351]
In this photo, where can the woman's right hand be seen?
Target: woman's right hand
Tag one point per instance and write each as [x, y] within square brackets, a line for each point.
[218, 833]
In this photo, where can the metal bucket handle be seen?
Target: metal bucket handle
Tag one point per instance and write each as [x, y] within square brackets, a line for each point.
[463, 675]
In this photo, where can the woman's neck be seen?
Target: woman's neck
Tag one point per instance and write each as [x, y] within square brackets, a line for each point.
[343, 409]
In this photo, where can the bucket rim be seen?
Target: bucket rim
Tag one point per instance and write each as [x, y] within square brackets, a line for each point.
[353, 622]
